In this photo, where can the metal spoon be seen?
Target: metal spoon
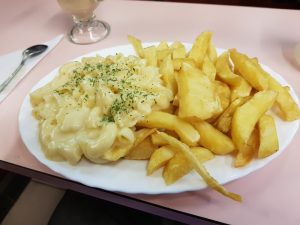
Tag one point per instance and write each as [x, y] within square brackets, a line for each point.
[27, 53]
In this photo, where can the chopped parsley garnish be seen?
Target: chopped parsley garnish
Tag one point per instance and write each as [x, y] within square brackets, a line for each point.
[118, 77]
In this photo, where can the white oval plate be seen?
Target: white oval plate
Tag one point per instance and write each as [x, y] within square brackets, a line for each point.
[129, 176]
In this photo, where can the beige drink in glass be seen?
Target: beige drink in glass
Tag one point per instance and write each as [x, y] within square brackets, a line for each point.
[86, 30]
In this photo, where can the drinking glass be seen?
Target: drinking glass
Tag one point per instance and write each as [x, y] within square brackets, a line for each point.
[86, 29]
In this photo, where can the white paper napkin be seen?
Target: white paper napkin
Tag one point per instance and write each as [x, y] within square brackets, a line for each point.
[9, 62]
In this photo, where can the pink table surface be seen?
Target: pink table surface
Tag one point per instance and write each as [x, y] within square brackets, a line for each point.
[271, 195]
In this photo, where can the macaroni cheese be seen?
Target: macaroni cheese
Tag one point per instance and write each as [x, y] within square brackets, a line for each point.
[91, 108]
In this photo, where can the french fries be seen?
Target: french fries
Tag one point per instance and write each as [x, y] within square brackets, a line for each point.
[249, 71]
[159, 158]
[185, 131]
[289, 109]
[198, 166]
[213, 139]
[249, 150]
[200, 47]
[223, 122]
[245, 118]
[150, 56]
[196, 94]
[142, 151]
[267, 136]
[179, 165]
[219, 108]
[137, 45]
[208, 68]
[240, 87]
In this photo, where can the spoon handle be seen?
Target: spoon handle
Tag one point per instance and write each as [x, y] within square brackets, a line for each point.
[8, 80]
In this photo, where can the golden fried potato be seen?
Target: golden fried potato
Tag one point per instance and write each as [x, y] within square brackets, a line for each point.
[176, 168]
[223, 123]
[161, 54]
[121, 151]
[187, 133]
[116, 153]
[179, 51]
[158, 140]
[179, 165]
[247, 115]
[198, 166]
[142, 151]
[289, 110]
[167, 70]
[213, 139]
[200, 47]
[248, 70]
[224, 94]
[159, 158]
[137, 45]
[208, 68]
[163, 45]
[267, 136]
[150, 56]
[175, 100]
[141, 135]
[171, 109]
[212, 52]
[249, 151]
[239, 86]
[177, 63]
[196, 94]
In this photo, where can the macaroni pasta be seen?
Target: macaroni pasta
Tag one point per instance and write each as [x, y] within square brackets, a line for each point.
[91, 108]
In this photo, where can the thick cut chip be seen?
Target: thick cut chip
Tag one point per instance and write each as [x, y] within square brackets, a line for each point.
[198, 166]
[248, 70]
[200, 47]
[212, 52]
[116, 153]
[289, 110]
[223, 123]
[196, 94]
[239, 86]
[163, 45]
[245, 156]
[176, 168]
[208, 68]
[179, 51]
[171, 109]
[167, 70]
[159, 158]
[162, 51]
[177, 63]
[120, 151]
[224, 94]
[150, 55]
[161, 54]
[142, 147]
[142, 151]
[213, 139]
[268, 140]
[158, 140]
[137, 45]
[142, 134]
[179, 165]
[247, 115]
[187, 133]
